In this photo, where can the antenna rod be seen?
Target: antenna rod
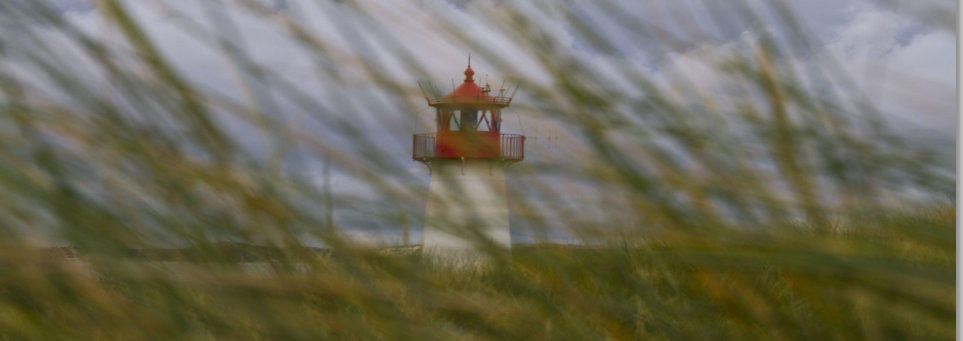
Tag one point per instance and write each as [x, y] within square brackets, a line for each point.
[423, 93]
[513, 94]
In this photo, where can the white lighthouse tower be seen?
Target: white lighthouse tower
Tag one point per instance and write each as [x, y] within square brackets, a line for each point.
[467, 156]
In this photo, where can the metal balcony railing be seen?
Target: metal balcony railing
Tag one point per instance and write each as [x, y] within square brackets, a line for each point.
[423, 147]
[513, 147]
[510, 147]
[495, 100]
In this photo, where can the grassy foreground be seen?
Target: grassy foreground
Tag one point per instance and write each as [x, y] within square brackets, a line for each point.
[682, 187]
[883, 277]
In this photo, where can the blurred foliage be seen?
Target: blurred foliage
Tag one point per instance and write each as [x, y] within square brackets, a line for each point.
[889, 277]
[774, 202]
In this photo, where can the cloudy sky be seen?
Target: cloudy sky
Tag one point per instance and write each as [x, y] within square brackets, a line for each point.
[905, 61]
[902, 58]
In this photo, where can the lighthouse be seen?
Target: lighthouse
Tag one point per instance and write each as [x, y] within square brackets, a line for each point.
[467, 156]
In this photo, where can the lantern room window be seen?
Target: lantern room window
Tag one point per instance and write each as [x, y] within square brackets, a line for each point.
[468, 119]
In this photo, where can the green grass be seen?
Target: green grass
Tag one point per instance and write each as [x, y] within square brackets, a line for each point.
[774, 203]
[887, 277]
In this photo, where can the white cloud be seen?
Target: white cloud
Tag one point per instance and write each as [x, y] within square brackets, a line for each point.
[918, 84]
[914, 81]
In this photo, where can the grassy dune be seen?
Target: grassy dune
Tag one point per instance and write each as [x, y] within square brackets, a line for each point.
[886, 277]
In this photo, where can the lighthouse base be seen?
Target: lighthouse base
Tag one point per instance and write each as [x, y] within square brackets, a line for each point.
[467, 208]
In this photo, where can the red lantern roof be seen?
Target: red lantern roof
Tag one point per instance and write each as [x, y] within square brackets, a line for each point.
[469, 93]
[468, 89]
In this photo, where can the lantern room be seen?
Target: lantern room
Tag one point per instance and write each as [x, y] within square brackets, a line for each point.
[468, 126]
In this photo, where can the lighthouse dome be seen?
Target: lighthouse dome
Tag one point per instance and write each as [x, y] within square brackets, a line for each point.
[468, 93]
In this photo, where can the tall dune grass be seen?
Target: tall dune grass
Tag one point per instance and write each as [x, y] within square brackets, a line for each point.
[764, 196]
